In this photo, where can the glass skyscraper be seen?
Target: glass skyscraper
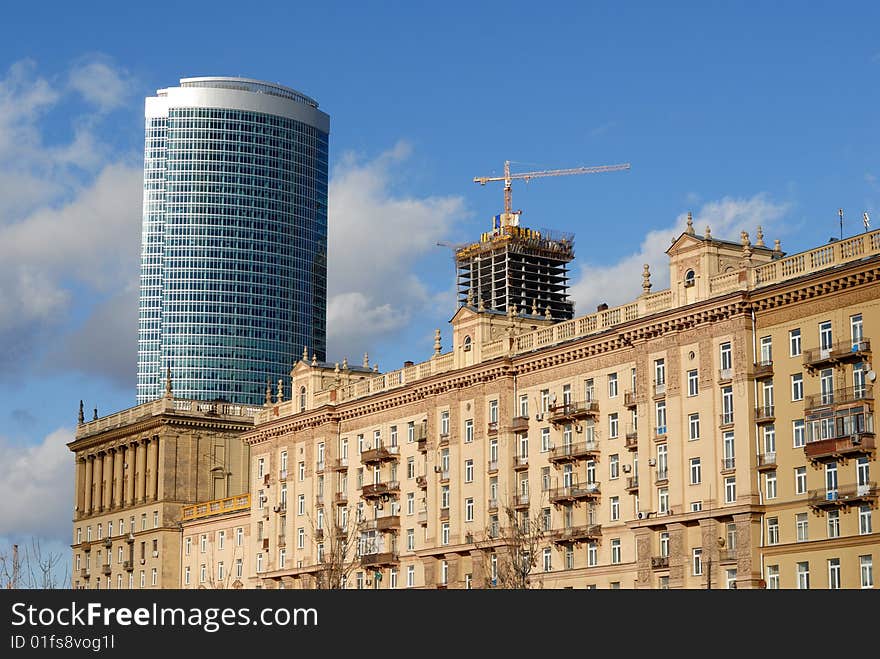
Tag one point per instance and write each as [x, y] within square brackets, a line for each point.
[234, 242]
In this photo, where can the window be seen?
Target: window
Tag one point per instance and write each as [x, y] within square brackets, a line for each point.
[614, 466]
[410, 539]
[444, 422]
[300, 538]
[444, 496]
[592, 554]
[410, 468]
[545, 440]
[203, 573]
[664, 543]
[659, 373]
[612, 385]
[803, 575]
[589, 392]
[469, 509]
[393, 578]
[545, 400]
[800, 480]
[663, 499]
[693, 383]
[802, 529]
[393, 435]
[797, 386]
[203, 543]
[302, 471]
[833, 523]
[866, 571]
[766, 355]
[693, 426]
[569, 557]
[794, 342]
[615, 508]
[770, 484]
[825, 339]
[302, 399]
[261, 467]
[548, 559]
[798, 434]
[523, 446]
[493, 411]
[468, 431]
[221, 573]
[410, 432]
[615, 551]
[410, 576]
[186, 576]
[726, 405]
[468, 471]
[697, 560]
[545, 519]
[730, 578]
[187, 546]
[856, 328]
[730, 489]
[696, 506]
[660, 413]
[696, 471]
[864, 519]
[772, 577]
[444, 533]
[726, 357]
[239, 536]
[410, 503]
[612, 425]
[301, 504]
[662, 462]
[524, 405]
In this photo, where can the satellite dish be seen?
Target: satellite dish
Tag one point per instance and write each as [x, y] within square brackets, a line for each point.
[872, 376]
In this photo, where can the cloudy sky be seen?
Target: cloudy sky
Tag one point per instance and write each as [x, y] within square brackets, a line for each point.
[743, 114]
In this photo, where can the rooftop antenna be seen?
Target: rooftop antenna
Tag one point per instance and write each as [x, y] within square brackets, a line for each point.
[840, 214]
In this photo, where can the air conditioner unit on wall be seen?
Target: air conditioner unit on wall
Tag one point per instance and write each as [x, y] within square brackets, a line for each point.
[643, 514]
[652, 461]
[627, 469]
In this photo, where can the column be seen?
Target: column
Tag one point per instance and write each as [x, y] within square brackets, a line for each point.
[87, 487]
[154, 466]
[79, 487]
[97, 473]
[140, 474]
[108, 479]
[150, 471]
[130, 455]
[118, 459]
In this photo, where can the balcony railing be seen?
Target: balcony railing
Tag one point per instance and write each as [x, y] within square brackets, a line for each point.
[659, 389]
[128, 566]
[492, 466]
[725, 375]
[339, 464]
[106, 568]
[422, 482]
[728, 464]
[520, 500]
[443, 439]
[660, 432]
[380, 490]
[217, 507]
[380, 454]
[765, 414]
[763, 368]
[84, 573]
[492, 428]
[859, 443]
[726, 419]
[573, 452]
[492, 505]
[340, 498]
[386, 523]
[847, 351]
[848, 495]
[629, 399]
[519, 424]
[574, 410]
[379, 558]
[662, 475]
[575, 534]
[521, 462]
[659, 562]
[767, 460]
[282, 475]
[423, 517]
[632, 483]
[574, 493]
[842, 396]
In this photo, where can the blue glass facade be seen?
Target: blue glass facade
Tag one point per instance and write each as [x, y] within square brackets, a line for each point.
[234, 256]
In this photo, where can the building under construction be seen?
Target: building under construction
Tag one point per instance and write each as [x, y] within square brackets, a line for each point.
[516, 266]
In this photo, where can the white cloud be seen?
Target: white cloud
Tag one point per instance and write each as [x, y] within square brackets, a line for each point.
[37, 486]
[100, 84]
[375, 243]
[620, 282]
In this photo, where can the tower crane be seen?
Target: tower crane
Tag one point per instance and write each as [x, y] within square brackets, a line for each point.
[508, 177]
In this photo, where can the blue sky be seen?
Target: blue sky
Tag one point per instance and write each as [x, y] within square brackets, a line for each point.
[743, 113]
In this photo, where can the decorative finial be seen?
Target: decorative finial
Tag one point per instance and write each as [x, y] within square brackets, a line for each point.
[314, 359]
[535, 307]
[437, 346]
[646, 278]
[345, 363]
[168, 383]
[268, 392]
[280, 396]
[95, 418]
[547, 313]
[366, 363]
[336, 368]
[708, 234]
[777, 245]
[481, 305]
[759, 237]
[81, 418]
[744, 238]
[511, 312]
[375, 368]
[470, 297]
[690, 224]
[305, 353]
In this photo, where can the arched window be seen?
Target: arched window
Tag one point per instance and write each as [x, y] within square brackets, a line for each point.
[302, 399]
[689, 278]
[467, 343]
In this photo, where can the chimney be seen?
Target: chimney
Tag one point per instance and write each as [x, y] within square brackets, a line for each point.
[602, 307]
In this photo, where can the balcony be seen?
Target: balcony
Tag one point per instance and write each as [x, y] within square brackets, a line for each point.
[379, 559]
[340, 498]
[380, 454]
[765, 414]
[662, 477]
[632, 484]
[282, 475]
[422, 444]
[282, 541]
[766, 461]
[573, 493]
[659, 562]
[573, 411]
[577, 534]
[492, 466]
[840, 353]
[725, 419]
[857, 444]
[423, 517]
[629, 399]
[520, 462]
[520, 424]
[444, 514]
[444, 439]
[660, 433]
[838, 397]
[380, 490]
[521, 501]
[727, 556]
[84, 573]
[422, 482]
[850, 495]
[492, 428]
[388, 523]
[763, 369]
[659, 389]
[319, 534]
[339, 464]
[492, 505]
[573, 452]
[319, 467]
[319, 499]
[106, 568]
[128, 566]
[725, 375]
[728, 465]
[265, 544]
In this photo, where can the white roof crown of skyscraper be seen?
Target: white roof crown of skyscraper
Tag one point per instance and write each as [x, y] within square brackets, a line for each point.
[245, 84]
